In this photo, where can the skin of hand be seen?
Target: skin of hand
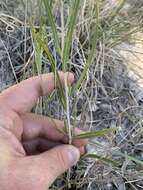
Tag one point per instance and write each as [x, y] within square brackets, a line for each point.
[33, 152]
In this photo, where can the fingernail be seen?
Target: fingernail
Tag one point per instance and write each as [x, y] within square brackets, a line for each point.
[73, 155]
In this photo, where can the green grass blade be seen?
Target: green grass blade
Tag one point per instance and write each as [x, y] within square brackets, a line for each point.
[54, 70]
[52, 23]
[92, 52]
[23, 3]
[130, 158]
[117, 10]
[38, 51]
[61, 91]
[59, 129]
[93, 134]
[48, 53]
[69, 36]
[104, 159]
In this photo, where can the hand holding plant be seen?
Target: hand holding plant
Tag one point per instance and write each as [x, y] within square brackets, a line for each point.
[33, 152]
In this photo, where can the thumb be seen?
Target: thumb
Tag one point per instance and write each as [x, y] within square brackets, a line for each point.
[56, 161]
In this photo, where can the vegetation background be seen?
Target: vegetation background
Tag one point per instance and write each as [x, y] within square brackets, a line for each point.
[101, 42]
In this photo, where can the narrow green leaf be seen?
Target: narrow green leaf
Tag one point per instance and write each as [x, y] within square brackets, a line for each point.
[52, 23]
[23, 3]
[104, 159]
[92, 53]
[94, 134]
[53, 66]
[130, 158]
[59, 129]
[117, 10]
[69, 36]
[61, 91]
[38, 51]
[48, 53]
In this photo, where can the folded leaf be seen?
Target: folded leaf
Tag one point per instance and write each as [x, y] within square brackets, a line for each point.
[69, 35]
[130, 158]
[93, 134]
[52, 23]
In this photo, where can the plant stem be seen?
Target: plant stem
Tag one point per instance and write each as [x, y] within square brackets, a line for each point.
[69, 127]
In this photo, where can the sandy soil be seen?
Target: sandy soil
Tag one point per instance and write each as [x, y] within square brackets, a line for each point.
[133, 54]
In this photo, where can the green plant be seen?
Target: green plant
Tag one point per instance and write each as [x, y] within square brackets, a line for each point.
[99, 29]
[40, 47]
[85, 37]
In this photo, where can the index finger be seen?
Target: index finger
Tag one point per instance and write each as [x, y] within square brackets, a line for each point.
[35, 126]
[22, 97]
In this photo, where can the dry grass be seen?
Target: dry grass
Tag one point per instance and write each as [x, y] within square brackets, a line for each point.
[106, 97]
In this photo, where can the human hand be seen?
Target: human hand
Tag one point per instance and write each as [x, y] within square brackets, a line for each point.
[33, 152]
